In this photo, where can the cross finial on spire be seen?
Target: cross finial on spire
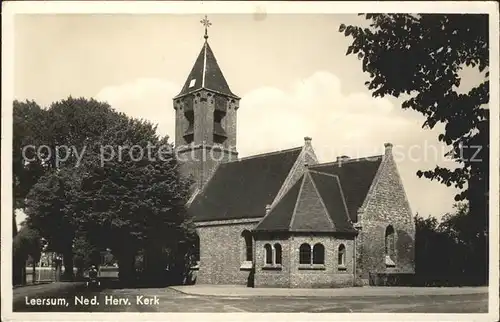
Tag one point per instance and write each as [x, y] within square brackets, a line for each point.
[207, 24]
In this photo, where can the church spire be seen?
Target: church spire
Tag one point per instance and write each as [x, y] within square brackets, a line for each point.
[205, 117]
[206, 73]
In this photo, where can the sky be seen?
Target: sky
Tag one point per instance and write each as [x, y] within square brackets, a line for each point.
[291, 72]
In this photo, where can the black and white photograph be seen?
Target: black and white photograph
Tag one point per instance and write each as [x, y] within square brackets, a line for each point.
[250, 158]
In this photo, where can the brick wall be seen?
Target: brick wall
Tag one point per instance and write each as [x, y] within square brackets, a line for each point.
[266, 277]
[331, 276]
[222, 252]
[386, 204]
[229, 122]
[293, 275]
[200, 159]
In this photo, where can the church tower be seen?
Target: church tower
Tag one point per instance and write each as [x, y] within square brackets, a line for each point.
[205, 118]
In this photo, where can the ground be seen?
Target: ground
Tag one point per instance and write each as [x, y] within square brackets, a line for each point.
[172, 300]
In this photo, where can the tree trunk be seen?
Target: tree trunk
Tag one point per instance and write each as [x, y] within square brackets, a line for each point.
[34, 280]
[23, 274]
[58, 273]
[18, 272]
[154, 270]
[126, 267]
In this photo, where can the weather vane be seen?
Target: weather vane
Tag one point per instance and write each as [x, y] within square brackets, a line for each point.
[207, 24]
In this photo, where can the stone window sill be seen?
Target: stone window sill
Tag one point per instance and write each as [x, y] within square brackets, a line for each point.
[389, 263]
[313, 267]
[246, 266]
[270, 267]
[342, 268]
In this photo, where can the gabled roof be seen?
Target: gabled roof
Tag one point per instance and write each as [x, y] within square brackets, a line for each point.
[356, 177]
[314, 204]
[243, 188]
[206, 74]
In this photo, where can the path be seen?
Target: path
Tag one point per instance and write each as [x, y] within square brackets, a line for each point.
[171, 300]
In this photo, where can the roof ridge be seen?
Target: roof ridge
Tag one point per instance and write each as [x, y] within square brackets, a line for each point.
[263, 155]
[343, 199]
[327, 213]
[347, 161]
[296, 202]
[204, 72]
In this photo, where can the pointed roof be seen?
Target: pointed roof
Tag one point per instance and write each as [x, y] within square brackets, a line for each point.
[314, 204]
[206, 74]
[242, 188]
[356, 177]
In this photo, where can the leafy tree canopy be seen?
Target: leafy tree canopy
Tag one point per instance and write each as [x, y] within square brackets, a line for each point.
[466, 260]
[49, 209]
[131, 189]
[69, 124]
[420, 57]
[125, 192]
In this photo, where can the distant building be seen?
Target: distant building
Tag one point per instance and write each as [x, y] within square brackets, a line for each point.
[281, 219]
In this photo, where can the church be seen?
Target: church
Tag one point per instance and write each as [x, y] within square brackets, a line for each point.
[282, 219]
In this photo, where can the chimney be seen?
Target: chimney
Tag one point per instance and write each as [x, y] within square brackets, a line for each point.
[268, 209]
[342, 158]
[307, 140]
[388, 148]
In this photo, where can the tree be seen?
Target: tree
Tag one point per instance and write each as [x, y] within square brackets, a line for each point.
[47, 142]
[132, 196]
[420, 57]
[470, 250]
[448, 252]
[67, 126]
[29, 128]
[85, 253]
[88, 199]
[50, 211]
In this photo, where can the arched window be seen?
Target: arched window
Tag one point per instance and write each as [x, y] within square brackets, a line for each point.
[389, 241]
[247, 236]
[269, 254]
[277, 254]
[341, 255]
[305, 254]
[319, 254]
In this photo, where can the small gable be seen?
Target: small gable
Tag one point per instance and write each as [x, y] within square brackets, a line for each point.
[310, 212]
[330, 191]
[314, 204]
[243, 188]
[283, 211]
